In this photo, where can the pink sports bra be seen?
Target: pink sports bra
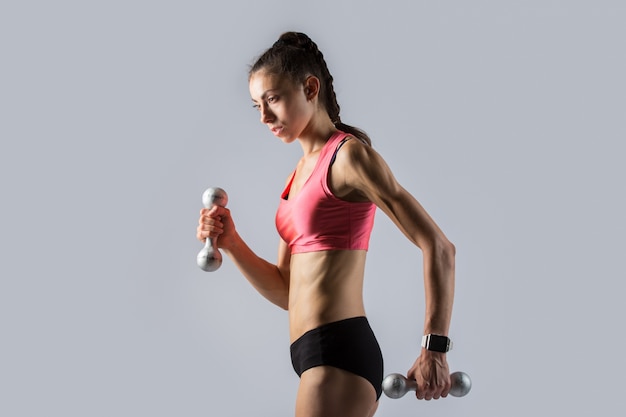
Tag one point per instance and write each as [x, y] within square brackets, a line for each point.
[316, 220]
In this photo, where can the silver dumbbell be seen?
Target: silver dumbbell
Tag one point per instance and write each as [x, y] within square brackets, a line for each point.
[396, 385]
[209, 258]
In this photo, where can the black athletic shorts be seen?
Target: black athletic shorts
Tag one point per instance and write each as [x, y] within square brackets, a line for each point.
[347, 344]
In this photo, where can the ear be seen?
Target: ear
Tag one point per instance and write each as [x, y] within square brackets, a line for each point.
[311, 87]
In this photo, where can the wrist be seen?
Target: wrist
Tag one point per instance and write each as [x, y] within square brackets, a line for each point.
[230, 243]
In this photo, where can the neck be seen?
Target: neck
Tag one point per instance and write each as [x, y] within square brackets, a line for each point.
[315, 136]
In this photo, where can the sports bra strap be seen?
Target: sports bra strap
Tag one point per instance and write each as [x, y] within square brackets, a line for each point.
[344, 140]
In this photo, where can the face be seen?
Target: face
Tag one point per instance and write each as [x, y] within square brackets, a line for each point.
[282, 104]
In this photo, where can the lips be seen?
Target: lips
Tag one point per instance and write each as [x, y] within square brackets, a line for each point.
[276, 130]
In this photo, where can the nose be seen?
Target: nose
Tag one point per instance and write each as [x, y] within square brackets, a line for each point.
[266, 115]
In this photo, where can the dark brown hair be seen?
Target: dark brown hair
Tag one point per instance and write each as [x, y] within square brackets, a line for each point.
[295, 55]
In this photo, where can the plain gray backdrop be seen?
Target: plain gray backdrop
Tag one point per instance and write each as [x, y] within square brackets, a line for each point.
[504, 118]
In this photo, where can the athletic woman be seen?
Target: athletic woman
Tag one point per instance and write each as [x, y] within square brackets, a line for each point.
[324, 218]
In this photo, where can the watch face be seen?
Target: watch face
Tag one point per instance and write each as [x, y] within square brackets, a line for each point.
[438, 343]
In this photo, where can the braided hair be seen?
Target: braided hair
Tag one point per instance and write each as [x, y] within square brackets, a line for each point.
[295, 55]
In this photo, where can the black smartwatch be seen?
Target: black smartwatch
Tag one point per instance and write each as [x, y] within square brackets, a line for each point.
[436, 343]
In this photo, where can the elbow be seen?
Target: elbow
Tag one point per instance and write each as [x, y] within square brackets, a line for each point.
[282, 299]
[279, 298]
[450, 249]
[443, 251]
[284, 304]
[448, 253]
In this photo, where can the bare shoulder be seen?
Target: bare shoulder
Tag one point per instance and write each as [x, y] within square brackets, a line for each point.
[360, 168]
[354, 151]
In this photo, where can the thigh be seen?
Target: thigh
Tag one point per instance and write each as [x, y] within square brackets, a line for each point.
[326, 391]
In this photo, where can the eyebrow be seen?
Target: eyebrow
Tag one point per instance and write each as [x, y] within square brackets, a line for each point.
[265, 94]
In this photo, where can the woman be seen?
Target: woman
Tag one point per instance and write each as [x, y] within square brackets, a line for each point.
[324, 218]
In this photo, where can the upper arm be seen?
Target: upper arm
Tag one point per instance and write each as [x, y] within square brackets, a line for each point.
[359, 168]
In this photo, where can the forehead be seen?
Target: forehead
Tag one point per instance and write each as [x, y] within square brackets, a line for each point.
[261, 82]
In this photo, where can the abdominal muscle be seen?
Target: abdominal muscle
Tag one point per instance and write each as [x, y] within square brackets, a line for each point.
[325, 286]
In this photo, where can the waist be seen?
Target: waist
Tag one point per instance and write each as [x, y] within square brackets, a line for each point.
[325, 287]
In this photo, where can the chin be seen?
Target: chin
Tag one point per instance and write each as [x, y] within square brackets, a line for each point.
[287, 140]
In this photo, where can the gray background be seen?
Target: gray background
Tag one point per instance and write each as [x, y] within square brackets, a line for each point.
[505, 119]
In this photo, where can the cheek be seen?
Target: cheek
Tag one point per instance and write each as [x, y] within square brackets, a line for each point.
[289, 110]
[304, 108]
[294, 107]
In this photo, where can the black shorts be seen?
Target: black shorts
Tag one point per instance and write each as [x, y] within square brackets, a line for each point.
[347, 344]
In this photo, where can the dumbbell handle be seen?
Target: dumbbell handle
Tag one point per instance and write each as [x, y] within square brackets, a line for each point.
[396, 385]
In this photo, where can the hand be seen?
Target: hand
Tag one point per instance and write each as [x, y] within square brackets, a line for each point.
[432, 375]
[216, 222]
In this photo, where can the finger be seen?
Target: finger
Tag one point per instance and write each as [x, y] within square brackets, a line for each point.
[212, 230]
[204, 217]
[441, 391]
[421, 392]
[216, 211]
[421, 395]
[211, 220]
[201, 234]
[209, 228]
[213, 212]
[211, 223]
[428, 392]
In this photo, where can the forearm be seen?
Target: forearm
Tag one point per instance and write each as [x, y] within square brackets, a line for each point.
[430, 369]
[439, 287]
[265, 277]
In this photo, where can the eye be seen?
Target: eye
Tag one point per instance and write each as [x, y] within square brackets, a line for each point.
[272, 99]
